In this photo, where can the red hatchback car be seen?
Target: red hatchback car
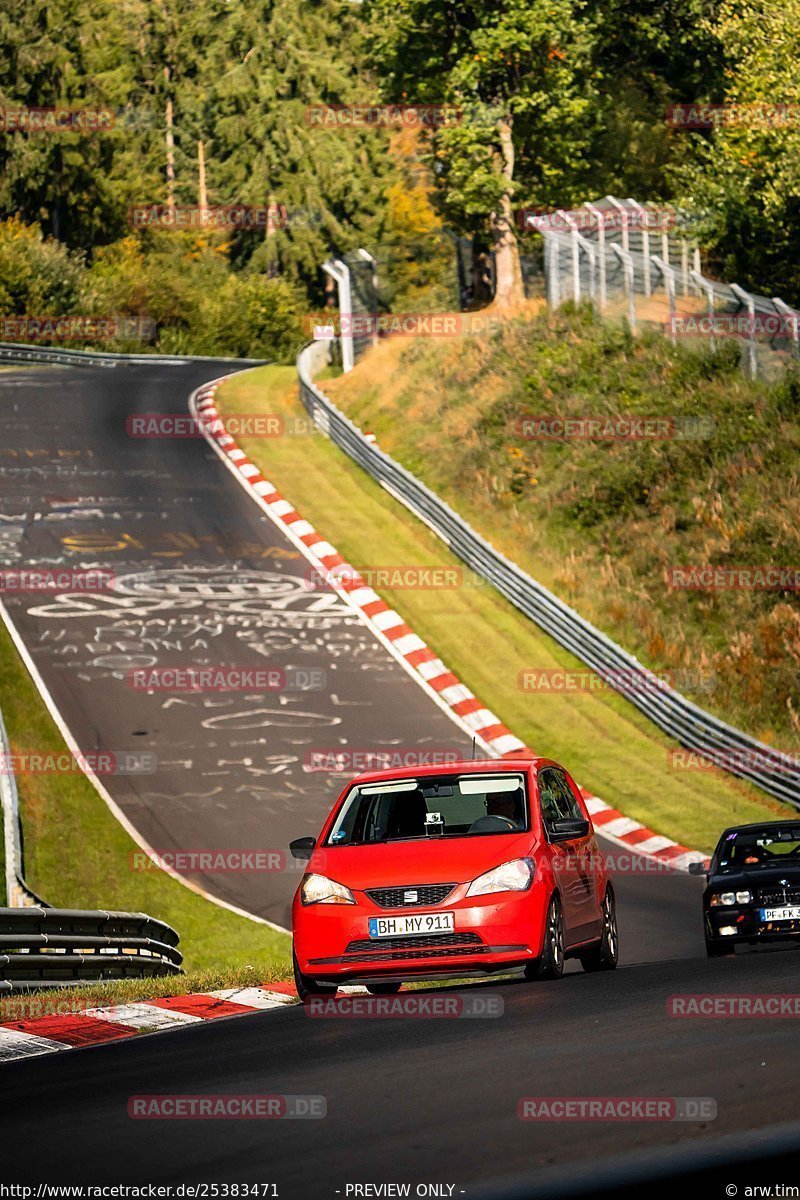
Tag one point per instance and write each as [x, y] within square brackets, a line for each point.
[474, 868]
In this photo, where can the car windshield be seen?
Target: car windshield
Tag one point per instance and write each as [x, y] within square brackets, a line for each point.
[755, 849]
[432, 807]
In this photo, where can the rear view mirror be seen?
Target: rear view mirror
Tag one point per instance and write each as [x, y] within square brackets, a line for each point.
[698, 868]
[302, 847]
[569, 827]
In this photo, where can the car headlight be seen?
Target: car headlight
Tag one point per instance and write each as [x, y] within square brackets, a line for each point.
[318, 889]
[743, 897]
[723, 898]
[514, 876]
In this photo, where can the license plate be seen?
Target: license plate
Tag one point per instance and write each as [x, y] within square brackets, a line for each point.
[791, 912]
[384, 927]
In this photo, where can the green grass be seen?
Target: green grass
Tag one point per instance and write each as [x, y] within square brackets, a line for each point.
[607, 744]
[127, 991]
[602, 522]
[77, 855]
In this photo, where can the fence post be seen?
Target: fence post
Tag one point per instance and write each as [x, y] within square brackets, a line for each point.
[576, 264]
[645, 245]
[684, 267]
[341, 274]
[794, 317]
[668, 274]
[705, 285]
[551, 270]
[752, 352]
[367, 257]
[627, 264]
[620, 207]
[601, 251]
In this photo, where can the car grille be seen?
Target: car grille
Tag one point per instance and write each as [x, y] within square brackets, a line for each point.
[427, 894]
[431, 946]
[777, 896]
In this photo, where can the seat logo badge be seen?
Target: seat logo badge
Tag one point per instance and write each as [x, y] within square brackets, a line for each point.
[410, 897]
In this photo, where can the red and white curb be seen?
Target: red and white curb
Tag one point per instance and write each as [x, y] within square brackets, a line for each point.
[90, 1026]
[410, 650]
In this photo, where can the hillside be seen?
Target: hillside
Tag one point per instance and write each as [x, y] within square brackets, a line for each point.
[607, 523]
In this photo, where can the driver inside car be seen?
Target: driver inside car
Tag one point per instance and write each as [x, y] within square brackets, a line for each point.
[501, 812]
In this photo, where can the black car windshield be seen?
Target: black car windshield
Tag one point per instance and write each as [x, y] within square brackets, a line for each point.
[430, 807]
[754, 849]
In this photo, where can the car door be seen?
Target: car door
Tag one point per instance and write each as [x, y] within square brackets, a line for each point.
[586, 855]
[570, 858]
[561, 852]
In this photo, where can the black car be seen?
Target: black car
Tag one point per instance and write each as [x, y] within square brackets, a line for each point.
[753, 892]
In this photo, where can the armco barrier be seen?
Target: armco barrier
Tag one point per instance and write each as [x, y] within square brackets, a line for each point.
[17, 891]
[684, 721]
[51, 947]
[45, 356]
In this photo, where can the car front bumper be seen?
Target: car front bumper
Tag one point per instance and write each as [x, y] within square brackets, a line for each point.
[332, 942]
[748, 926]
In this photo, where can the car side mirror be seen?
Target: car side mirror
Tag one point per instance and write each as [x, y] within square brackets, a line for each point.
[698, 868]
[302, 847]
[569, 827]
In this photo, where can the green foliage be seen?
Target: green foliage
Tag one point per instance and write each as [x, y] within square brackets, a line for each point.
[38, 275]
[744, 178]
[527, 64]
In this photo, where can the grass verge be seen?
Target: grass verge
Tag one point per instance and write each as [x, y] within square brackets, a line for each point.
[609, 746]
[77, 855]
[127, 991]
[607, 522]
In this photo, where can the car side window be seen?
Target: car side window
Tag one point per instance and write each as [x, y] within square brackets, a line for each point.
[550, 798]
[569, 804]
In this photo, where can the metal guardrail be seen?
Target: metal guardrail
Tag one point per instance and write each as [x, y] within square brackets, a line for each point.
[17, 891]
[688, 724]
[17, 353]
[56, 948]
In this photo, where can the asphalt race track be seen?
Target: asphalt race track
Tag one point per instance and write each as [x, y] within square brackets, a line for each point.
[202, 578]
[430, 1100]
[206, 578]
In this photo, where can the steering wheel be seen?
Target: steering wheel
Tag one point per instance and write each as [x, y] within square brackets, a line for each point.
[492, 823]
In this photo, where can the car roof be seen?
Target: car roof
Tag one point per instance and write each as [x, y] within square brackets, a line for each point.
[760, 825]
[496, 766]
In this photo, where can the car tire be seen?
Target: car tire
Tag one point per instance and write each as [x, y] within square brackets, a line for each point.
[605, 955]
[715, 949]
[308, 988]
[550, 963]
[383, 989]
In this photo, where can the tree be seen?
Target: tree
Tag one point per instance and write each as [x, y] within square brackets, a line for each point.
[744, 179]
[518, 76]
